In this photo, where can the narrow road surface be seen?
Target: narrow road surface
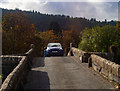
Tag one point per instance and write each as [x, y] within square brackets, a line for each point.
[64, 73]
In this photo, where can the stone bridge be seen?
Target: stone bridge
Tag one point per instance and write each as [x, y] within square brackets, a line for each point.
[78, 70]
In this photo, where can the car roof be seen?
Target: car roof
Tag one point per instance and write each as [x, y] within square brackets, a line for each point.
[54, 44]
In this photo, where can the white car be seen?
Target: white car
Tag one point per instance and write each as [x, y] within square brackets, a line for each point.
[54, 49]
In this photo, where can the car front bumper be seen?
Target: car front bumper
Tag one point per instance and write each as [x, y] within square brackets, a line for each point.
[54, 53]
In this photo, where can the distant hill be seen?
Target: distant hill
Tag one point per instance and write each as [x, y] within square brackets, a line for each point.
[42, 21]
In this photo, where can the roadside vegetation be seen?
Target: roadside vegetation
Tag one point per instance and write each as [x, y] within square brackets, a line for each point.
[18, 32]
[99, 39]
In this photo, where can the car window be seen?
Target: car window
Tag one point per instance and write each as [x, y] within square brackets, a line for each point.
[53, 45]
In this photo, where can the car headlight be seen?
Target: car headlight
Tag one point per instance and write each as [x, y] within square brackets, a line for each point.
[60, 49]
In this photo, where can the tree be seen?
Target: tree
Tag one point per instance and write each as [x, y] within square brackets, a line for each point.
[99, 39]
[55, 27]
[118, 24]
[17, 33]
[70, 37]
[42, 21]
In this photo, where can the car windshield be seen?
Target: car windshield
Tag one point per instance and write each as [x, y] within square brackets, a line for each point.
[53, 45]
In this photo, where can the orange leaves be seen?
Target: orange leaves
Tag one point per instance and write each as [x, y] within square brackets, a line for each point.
[17, 20]
[70, 36]
[66, 38]
[49, 36]
[18, 33]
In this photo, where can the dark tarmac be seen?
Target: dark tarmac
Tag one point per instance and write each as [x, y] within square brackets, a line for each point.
[64, 73]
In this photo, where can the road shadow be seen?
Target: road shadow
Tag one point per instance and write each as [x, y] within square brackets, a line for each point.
[38, 80]
[64, 55]
[38, 62]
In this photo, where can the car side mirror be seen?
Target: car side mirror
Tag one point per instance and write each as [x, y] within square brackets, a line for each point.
[45, 47]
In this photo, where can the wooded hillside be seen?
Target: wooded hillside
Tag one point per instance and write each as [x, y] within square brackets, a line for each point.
[42, 21]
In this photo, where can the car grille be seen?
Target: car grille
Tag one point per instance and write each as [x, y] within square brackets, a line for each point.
[54, 50]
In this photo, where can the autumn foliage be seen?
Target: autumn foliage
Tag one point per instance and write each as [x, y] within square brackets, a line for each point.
[66, 38]
[19, 33]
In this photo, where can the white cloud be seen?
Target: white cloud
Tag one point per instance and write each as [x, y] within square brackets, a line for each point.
[102, 0]
[105, 11]
[23, 4]
[98, 10]
[83, 0]
[92, 8]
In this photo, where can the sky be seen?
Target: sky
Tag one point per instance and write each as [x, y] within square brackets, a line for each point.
[101, 10]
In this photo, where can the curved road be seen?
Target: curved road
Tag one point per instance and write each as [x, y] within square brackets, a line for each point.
[64, 73]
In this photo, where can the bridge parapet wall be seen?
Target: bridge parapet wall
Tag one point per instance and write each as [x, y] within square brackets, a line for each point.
[84, 56]
[107, 68]
[80, 54]
[101, 62]
[17, 77]
[9, 62]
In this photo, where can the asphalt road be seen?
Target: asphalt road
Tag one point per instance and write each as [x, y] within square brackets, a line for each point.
[64, 73]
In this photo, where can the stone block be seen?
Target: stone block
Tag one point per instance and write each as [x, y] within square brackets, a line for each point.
[80, 53]
[93, 57]
[110, 76]
[105, 64]
[116, 79]
[98, 68]
[94, 66]
[104, 72]
[115, 69]
[110, 66]
[119, 71]
[101, 63]
[69, 54]
[80, 58]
